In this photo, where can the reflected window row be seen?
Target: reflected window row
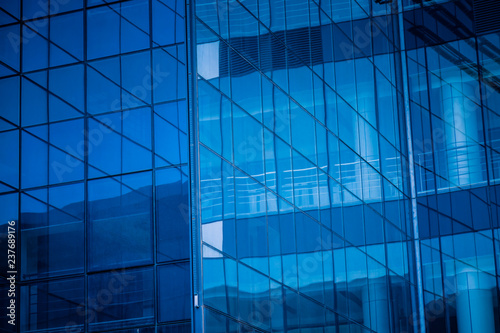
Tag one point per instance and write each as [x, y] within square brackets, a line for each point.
[118, 230]
[117, 299]
[241, 292]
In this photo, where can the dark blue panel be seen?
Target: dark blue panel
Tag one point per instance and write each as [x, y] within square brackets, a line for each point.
[121, 299]
[174, 292]
[172, 215]
[53, 305]
[120, 226]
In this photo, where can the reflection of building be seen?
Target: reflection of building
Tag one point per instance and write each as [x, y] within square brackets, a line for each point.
[260, 166]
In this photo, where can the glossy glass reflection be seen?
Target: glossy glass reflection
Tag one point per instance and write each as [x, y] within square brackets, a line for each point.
[94, 135]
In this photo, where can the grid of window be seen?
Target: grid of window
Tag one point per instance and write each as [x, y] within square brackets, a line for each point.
[303, 198]
[453, 83]
[93, 128]
[300, 165]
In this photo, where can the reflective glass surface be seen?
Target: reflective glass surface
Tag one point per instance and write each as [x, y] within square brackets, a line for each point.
[453, 88]
[93, 165]
[346, 154]
[304, 206]
[251, 166]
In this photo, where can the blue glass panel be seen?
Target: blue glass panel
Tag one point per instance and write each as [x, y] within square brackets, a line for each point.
[220, 324]
[103, 31]
[253, 289]
[67, 151]
[220, 281]
[284, 170]
[103, 86]
[12, 7]
[66, 37]
[66, 85]
[246, 92]
[374, 226]
[211, 186]
[303, 133]
[163, 20]
[53, 305]
[301, 86]
[10, 54]
[53, 231]
[270, 159]
[121, 299]
[250, 197]
[174, 292]
[34, 9]
[136, 140]
[292, 310]
[66, 204]
[104, 151]
[34, 103]
[282, 116]
[311, 314]
[210, 117]
[34, 153]
[136, 79]
[9, 94]
[166, 70]
[305, 185]
[248, 144]
[172, 214]
[309, 259]
[275, 264]
[134, 25]
[120, 221]
[65, 6]
[35, 53]
[9, 158]
[252, 243]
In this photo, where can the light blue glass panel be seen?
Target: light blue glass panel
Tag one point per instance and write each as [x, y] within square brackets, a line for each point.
[248, 144]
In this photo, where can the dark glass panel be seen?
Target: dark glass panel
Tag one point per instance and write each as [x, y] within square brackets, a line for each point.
[120, 223]
[55, 306]
[174, 292]
[121, 299]
[172, 214]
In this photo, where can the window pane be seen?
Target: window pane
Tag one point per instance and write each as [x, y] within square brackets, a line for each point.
[174, 292]
[52, 234]
[53, 304]
[120, 221]
[121, 299]
[172, 214]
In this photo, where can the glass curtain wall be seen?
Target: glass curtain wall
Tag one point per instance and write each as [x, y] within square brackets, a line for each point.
[454, 86]
[93, 166]
[302, 168]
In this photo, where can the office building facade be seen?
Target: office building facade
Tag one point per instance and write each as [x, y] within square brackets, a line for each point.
[90, 91]
[250, 166]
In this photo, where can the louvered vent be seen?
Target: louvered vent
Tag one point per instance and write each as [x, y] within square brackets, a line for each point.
[305, 46]
[487, 15]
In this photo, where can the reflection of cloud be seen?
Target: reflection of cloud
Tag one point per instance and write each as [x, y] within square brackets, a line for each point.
[213, 234]
[211, 253]
[208, 60]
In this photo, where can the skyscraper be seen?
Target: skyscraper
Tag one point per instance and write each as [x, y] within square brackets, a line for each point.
[250, 166]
